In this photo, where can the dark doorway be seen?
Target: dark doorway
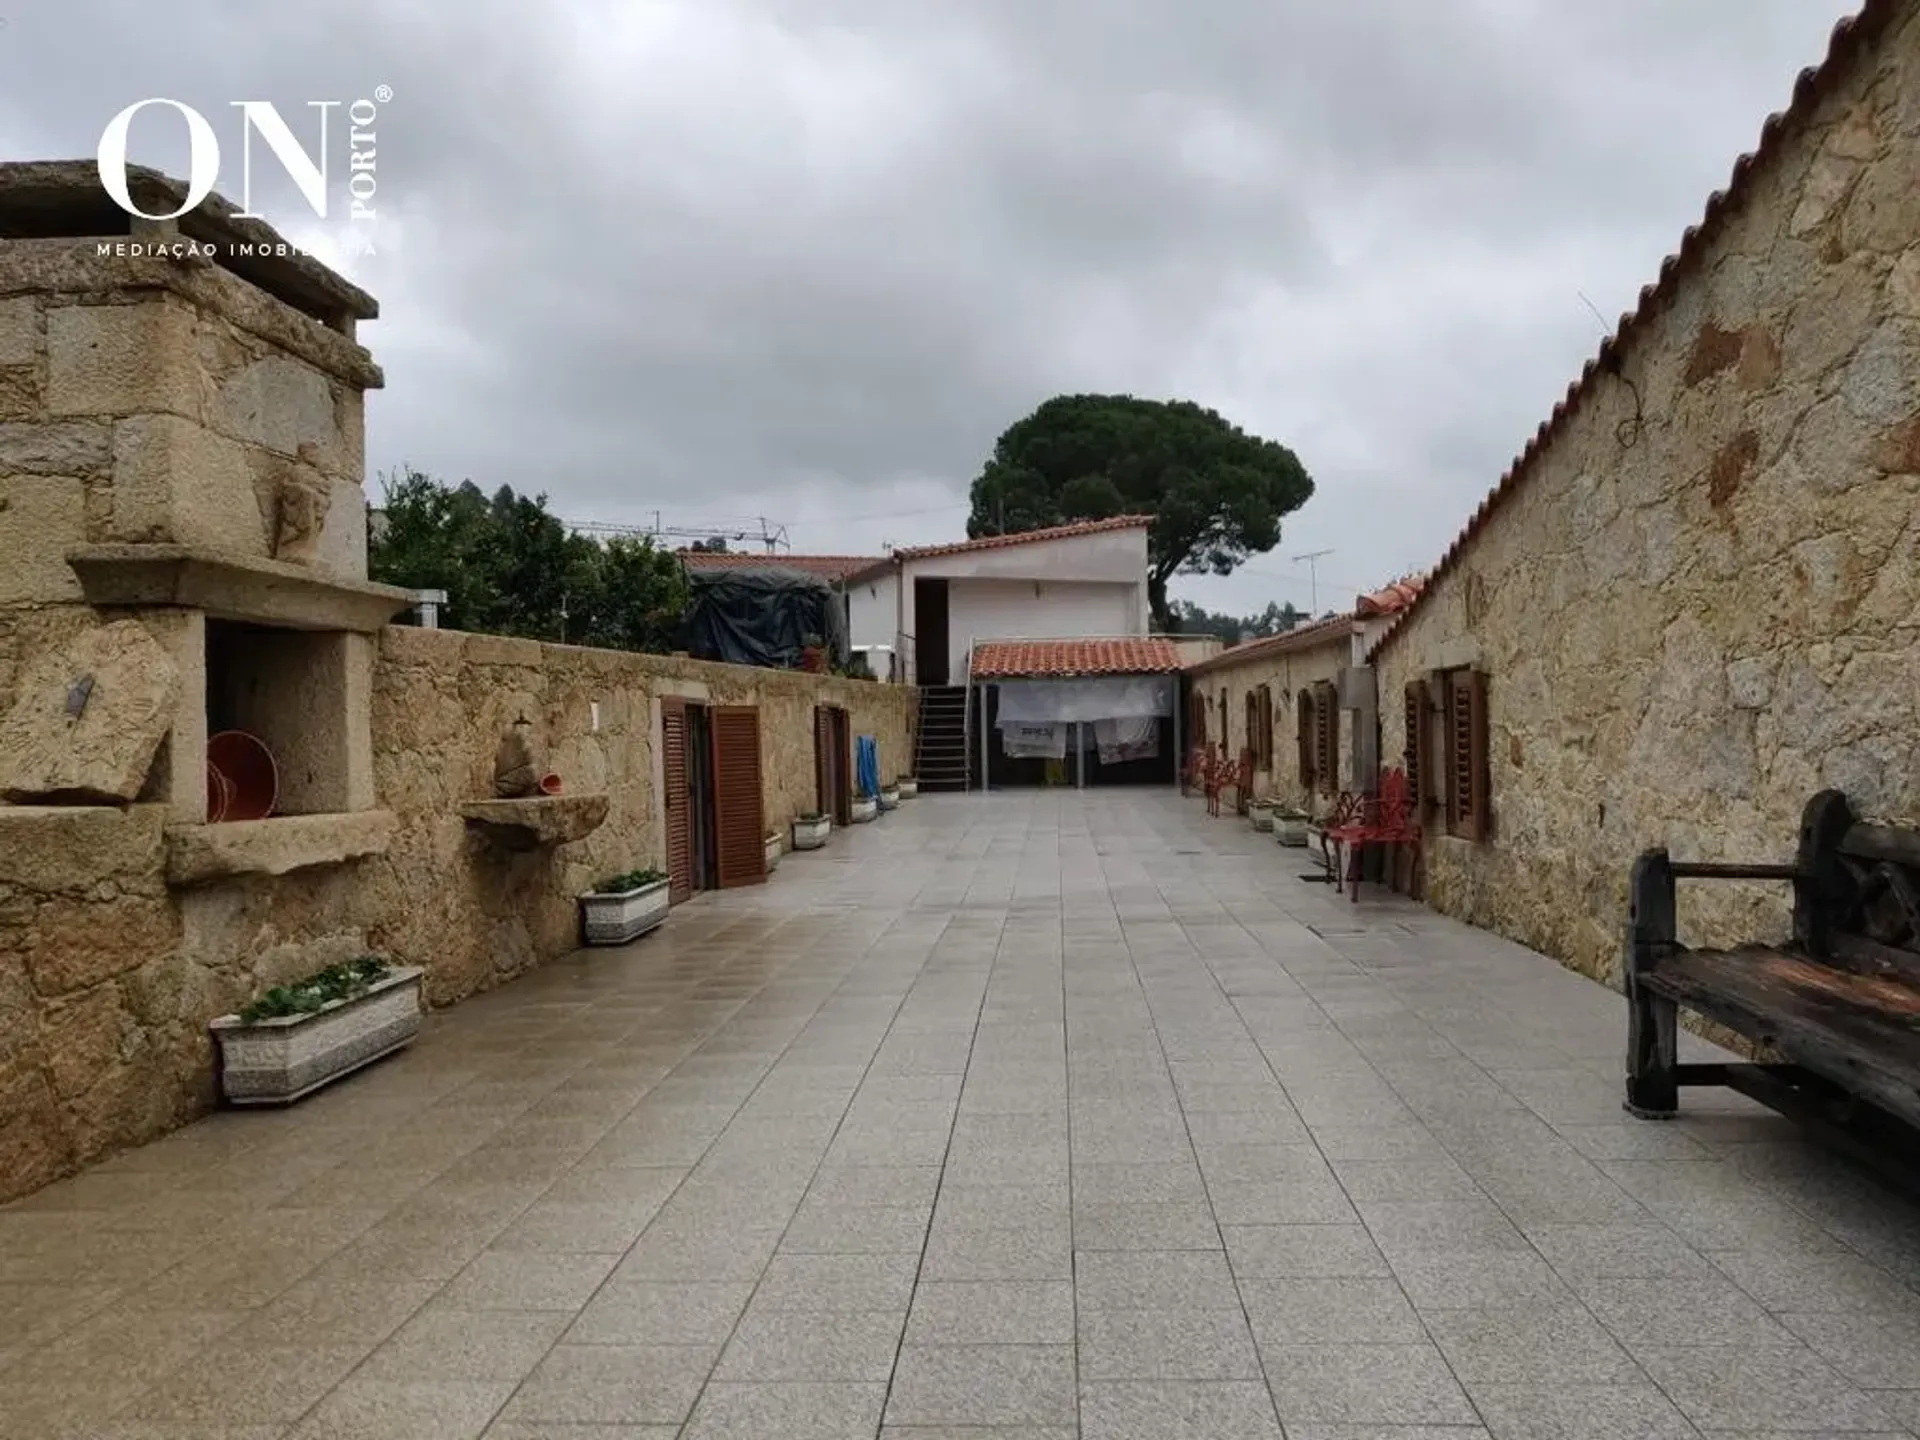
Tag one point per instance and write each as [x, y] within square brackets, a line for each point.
[833, 763]
[710, 782]
[930, 641]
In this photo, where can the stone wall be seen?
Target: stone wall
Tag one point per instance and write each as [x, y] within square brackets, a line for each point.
[1287, 669]
[1694, 614]
[108, 975]
[441, 699]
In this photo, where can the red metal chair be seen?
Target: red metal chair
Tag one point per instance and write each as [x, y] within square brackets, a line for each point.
[1383, 819]
[1216, 779]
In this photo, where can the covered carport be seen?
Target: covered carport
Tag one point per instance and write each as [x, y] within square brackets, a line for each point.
[1079, 713]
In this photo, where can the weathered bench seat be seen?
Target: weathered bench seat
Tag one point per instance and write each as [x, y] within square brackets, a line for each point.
[1839, 1002]
[1861, 1031]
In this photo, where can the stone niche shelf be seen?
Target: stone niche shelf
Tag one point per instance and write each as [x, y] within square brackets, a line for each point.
[233, 587]
[537, 821]
[197, 854]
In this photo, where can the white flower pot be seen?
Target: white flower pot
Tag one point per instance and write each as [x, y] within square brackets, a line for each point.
[278, 1060]
[622, 916]
[865, 807]
[890, 798]
[811, 834]
[774, 851]
[1260, 815]
[908, 788]
[1290, 829]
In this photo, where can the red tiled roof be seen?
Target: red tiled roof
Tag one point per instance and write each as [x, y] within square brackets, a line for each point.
[1007, 659]
[1304, 637]
[1391, 599]
[827, 567]
[1028, 537]
[1851, 37]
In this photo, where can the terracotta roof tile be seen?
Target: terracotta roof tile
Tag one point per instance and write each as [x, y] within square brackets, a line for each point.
[1851, 37]
[1391, 599]
[827, 567]
[1303, 637]
[1028, 537]
[1008, 659]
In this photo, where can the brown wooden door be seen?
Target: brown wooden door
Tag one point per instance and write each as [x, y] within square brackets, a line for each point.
[673, 783]
[842, 753]
[823, 761]
[739, 814]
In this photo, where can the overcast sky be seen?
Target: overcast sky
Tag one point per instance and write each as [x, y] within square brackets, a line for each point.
[806, 259]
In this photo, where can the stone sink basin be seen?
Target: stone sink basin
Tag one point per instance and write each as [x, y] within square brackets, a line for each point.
[535, 821]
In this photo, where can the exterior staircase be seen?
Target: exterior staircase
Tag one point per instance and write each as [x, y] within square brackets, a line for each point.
[940, 756]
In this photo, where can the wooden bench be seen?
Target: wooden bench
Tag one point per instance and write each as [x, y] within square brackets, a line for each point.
[1839, 1001]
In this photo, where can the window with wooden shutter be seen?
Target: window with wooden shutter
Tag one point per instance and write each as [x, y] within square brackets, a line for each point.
[1419, 746]
[1303, 738]
[1326, 738]
[1466, 715]
[740, 832]
[675, 798]
[1252, 746]
[1263, 745]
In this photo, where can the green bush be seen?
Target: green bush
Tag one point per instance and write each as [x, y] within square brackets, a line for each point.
[318, 990]
[632, 880]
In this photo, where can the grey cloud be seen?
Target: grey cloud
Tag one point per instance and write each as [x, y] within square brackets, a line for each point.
[807, 258]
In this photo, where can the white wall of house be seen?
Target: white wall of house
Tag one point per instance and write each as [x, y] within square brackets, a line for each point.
[980, 610]
[1080, 577]
[873, 609]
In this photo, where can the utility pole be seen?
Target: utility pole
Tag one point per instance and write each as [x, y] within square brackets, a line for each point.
[1313, 578]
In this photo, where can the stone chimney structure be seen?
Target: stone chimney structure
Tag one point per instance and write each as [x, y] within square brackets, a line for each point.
[183, 533]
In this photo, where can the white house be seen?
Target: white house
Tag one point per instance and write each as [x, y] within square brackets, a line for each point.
[933, 602]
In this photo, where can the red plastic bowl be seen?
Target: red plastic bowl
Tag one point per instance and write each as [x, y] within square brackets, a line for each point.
[219, 794]
[249, 768]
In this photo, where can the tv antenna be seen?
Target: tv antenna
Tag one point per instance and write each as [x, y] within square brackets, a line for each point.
[1313, 578]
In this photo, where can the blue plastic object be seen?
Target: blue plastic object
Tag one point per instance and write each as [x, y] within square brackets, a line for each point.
[866, 764]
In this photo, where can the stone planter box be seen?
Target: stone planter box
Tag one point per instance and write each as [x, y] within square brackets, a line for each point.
[908, 787]
[279, 1060]
[865, 808]
[890, 798]
[619, 917]
[811, 834]
[1260, 814]
[1289, 829]
[774, 851]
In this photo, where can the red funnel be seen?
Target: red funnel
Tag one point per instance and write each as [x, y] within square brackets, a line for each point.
[248, 767]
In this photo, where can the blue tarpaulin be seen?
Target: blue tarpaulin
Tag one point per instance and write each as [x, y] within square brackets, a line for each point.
[866, 764]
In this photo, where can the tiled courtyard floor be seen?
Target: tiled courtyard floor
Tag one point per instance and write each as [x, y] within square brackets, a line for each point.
[1011, 1118]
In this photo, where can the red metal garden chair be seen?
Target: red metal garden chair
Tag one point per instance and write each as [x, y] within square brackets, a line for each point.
[1383, 819]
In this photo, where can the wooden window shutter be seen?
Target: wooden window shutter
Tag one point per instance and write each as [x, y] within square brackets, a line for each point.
[1252, 747]
[740, 832]
[1467, 798]
[1419, 747]
[1304, 736]
[1326, 738]
[675, 799]
[1263, 747]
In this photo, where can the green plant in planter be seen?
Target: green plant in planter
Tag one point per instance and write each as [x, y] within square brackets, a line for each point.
[811, 819]
[632, 880]
[318, 990]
